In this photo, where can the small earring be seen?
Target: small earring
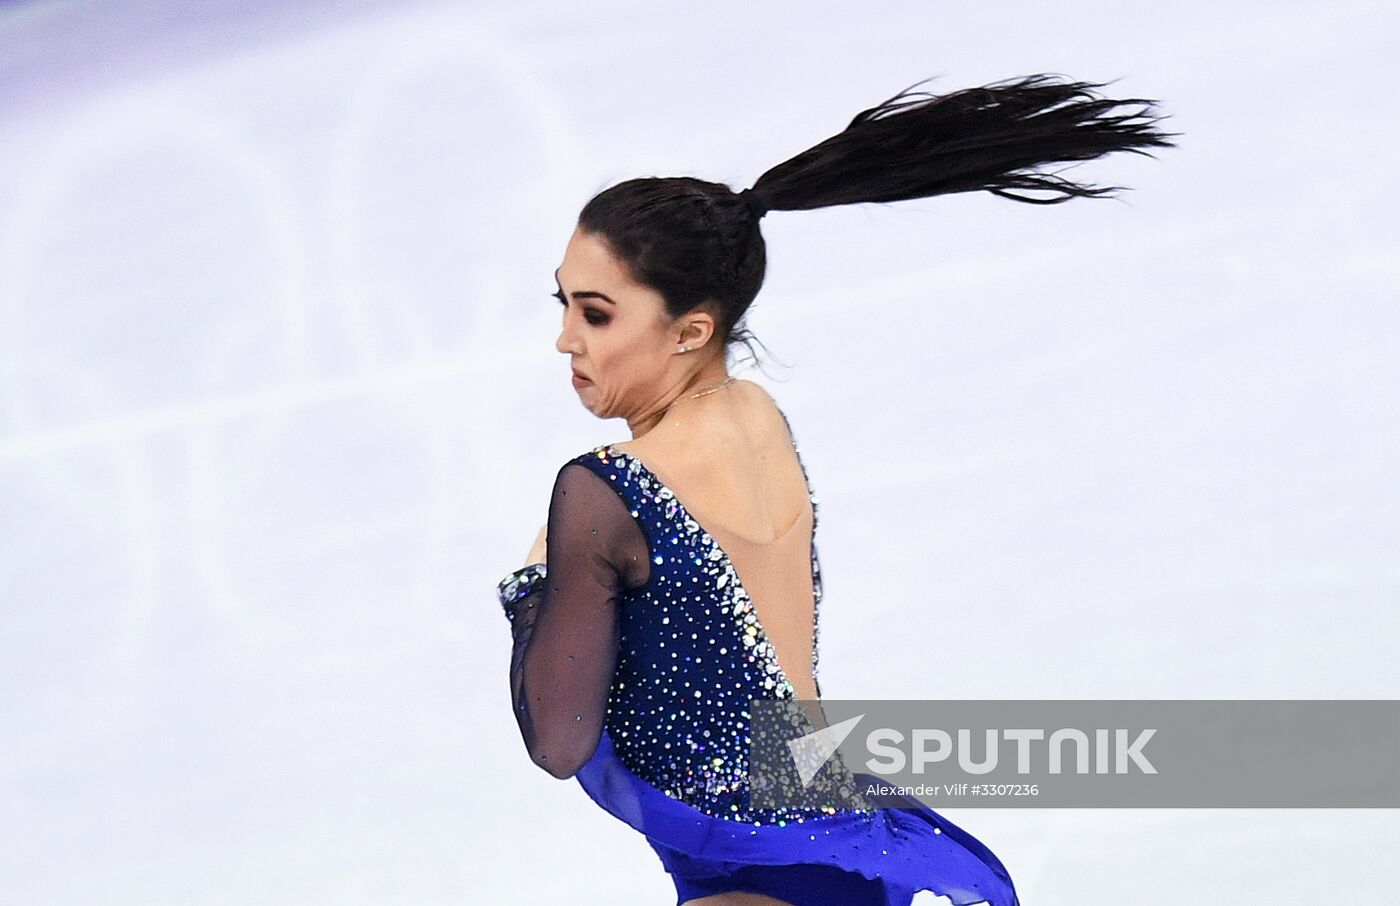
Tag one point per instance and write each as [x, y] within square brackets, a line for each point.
[683, 349]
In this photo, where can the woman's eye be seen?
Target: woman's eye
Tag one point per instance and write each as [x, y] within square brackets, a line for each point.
[591, 315]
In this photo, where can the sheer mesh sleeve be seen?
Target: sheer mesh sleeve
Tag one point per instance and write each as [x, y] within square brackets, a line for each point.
[816, 616]
[566, 622]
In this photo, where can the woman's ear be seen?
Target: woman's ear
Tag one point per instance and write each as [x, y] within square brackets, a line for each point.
[696, 328]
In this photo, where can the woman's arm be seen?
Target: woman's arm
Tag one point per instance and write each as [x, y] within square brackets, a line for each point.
[565, 619]
[538, 550]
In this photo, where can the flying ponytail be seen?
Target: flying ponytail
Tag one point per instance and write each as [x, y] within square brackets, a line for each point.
[989, 138]
[698, 242]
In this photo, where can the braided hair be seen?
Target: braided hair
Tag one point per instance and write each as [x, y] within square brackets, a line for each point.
[698, 242]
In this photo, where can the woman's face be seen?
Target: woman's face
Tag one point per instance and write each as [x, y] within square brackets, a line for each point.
[617, 333]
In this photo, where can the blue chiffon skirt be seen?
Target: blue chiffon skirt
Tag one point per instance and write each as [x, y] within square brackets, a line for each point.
[850, 858]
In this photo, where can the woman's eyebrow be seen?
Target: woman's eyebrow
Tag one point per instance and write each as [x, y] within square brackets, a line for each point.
[582, 294]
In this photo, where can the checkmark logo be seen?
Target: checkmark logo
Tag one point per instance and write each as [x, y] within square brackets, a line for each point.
[811, 751]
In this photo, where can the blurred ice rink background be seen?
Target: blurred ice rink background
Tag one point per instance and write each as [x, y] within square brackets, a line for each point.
[279, 403]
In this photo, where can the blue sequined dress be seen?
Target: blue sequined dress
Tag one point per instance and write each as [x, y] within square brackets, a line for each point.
[636, 652]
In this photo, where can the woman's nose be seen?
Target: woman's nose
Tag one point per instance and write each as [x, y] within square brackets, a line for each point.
[570, 340]
[565, 342]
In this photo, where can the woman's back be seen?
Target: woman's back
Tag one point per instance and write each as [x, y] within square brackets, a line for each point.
[730, 458]
[666, 614]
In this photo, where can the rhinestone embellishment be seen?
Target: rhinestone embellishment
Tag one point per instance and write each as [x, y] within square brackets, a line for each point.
[678, 709]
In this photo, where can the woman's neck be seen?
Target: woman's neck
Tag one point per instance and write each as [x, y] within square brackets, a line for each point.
[707, 378]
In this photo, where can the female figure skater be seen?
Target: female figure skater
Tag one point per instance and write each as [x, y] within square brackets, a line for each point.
[677, 576]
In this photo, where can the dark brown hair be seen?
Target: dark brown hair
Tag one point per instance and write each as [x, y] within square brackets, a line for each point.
[698, 242]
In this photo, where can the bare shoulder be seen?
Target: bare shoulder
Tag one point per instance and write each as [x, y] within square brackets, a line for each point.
[756, 392]
[757, 408]
[765, 413]
[749, 417]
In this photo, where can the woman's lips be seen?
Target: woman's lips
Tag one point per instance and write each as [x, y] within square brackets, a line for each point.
[579, 380]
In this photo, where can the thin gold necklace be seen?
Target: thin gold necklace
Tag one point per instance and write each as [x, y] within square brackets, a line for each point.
[720, 386]
[724, 383]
